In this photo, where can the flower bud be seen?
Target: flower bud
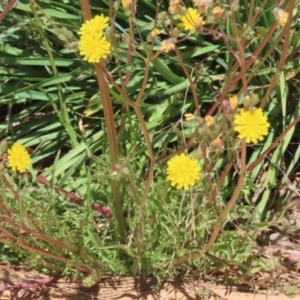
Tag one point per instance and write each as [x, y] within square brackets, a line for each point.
[126, 4]
[216, 144]
[168, 45]
[254, 99]
[233, 101]
[247, 102]
[198, 154]
[3, 145]
[189, 117]
[176, 32]
[210, 121]
[281, 16]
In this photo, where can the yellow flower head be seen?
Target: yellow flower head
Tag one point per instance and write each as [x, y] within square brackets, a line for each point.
[251, 125]
[94, 47]
[189, 117]
[94, 26]
[168, 45]
[209, 120]
[190, 20]
[18, 158]
[183, 171]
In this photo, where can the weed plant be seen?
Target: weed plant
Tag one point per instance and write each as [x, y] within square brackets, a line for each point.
[161, 154]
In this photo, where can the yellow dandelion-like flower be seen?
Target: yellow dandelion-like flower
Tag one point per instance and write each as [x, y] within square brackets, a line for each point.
[190, 20]
[209, 120]
[94, 47]
[189, 117]
[251, 125]
[94, 26]
[18, 158]
[183, 171]
[168, 45]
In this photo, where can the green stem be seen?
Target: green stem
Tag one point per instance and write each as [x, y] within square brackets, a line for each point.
[241, 54]
[237, 77]
[284, 53]
[144, 129]
[274, 144]
[232, 201]
[230, 204]
[192, 84]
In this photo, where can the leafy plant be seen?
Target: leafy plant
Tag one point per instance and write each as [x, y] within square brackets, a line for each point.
[104, 135]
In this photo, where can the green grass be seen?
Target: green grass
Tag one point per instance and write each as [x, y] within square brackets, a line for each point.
[110, 146]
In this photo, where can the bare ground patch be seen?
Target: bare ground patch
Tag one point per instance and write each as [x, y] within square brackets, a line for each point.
[22, 283]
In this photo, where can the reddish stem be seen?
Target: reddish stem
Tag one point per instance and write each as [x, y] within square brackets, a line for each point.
[7, 9]
[101, 209]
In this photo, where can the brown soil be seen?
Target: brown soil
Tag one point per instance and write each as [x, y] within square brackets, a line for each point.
[21, 283]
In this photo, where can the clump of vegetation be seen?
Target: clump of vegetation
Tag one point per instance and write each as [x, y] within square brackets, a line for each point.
[157, 135]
